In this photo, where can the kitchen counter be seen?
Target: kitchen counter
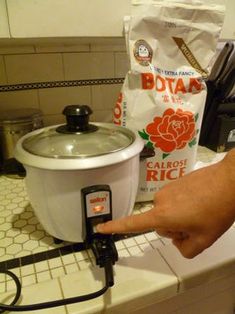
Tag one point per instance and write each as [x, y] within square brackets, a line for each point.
[150, 274]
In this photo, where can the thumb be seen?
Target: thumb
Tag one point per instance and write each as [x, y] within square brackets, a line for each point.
[134, 223]
[189, 247]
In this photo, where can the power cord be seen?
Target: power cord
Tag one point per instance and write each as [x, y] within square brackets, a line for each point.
[108, 267]
[18, 288]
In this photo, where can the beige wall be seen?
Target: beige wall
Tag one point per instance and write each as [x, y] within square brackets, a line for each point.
[42, 62]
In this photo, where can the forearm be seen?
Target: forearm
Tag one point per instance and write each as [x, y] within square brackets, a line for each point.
[226, 178]
[229, 164]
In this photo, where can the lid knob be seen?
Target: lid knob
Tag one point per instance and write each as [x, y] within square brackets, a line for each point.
[77, 117]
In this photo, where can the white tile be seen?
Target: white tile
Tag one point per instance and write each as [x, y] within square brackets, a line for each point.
[166, 241]
[3, 77]
[66, 46]
[104, 97]
[53, 119]
[6, 226]
[38, 293]
[157, 244]
[16, 271]
[140, 239]
[71, 268]
[13, 48]
[123, 253]
[15, 234]
[109, 44]
[27, 229]
[146, 247]
[78, 66]
[14, 249]
[84, 264]
[2, 277]
[102, 116]
[198, 294]
[119, 245]
[129, 242]
[10, 285]
[41, 266]
[215, 262]
[55, 262]
[215, 297]
[2, 288]
[135, 250]
[122, 65]
[43, 276]
[27, 270]
[6, 257]
[68, 259]
[22, 253]
[54, 100]
[139, 281]
[57, 272]
[28, 280]
[30, 245]
[151, 236]
[220, 304]
[80, 256]
[19, 99]
[29, 68]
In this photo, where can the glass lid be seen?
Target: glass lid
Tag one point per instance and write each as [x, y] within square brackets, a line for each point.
[78, 138]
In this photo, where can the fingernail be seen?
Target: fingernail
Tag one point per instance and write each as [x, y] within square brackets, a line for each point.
[99, 227]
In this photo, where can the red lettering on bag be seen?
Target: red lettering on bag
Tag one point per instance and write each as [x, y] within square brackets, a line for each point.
[147, 80]
[117, 113]
[174, 85]
[160, 83]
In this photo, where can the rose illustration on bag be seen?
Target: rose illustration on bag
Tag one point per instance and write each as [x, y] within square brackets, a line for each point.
[173, 131]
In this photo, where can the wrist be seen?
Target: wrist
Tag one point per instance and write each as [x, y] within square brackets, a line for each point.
[228, 176]
[229, 165]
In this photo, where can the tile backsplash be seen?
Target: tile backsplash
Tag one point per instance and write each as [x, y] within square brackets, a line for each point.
[62, 62]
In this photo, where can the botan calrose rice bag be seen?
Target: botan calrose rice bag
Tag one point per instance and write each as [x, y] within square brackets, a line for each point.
[171, 47]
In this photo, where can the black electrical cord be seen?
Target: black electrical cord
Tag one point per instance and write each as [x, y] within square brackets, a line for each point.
[45, 305]
[18, 288]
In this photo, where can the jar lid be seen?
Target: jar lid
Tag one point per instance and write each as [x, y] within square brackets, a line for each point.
[78, 138]
[20, 115]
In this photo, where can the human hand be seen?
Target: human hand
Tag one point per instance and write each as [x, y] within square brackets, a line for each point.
[194, 211]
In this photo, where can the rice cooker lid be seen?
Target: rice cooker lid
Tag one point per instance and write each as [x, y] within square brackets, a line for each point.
[78, 138]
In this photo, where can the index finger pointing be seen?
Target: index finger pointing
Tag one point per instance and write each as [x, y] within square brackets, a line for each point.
[135, 223]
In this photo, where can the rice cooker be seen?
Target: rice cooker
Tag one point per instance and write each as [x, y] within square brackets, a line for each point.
[65, 163]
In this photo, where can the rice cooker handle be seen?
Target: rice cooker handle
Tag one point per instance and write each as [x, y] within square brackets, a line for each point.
[77, 117]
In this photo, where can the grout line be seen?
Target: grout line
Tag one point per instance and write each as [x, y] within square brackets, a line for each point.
[178, 285]
[63, 296]
[63, 65]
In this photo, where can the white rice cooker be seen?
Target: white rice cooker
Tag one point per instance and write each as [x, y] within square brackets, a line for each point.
[63, 160]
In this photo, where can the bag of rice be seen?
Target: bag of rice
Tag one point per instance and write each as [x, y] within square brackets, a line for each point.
[171, 46]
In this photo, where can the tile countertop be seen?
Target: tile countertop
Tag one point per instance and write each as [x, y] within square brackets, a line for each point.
[149, 269]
